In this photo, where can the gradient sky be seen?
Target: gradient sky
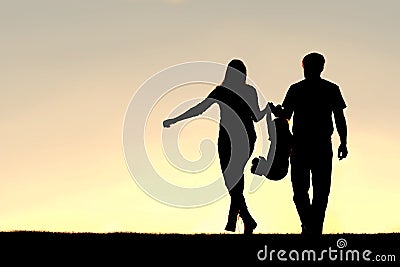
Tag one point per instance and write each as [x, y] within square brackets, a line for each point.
[69, 69]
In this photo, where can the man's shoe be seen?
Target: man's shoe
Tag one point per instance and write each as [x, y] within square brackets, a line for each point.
[305, 231]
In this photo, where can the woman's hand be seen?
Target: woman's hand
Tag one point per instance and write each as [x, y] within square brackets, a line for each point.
[167, 123]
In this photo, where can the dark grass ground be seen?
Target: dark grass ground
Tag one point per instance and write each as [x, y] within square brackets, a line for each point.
[135, 249]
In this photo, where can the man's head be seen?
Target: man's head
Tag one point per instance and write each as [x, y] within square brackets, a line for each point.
[313, 65]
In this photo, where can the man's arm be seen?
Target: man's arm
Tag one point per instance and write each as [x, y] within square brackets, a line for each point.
[287, 104]
[341, 127]
[270, 123]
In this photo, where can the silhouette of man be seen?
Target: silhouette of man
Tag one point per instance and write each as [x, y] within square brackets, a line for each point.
[312, 102]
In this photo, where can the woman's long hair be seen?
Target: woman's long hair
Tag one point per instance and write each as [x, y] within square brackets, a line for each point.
[235, 74]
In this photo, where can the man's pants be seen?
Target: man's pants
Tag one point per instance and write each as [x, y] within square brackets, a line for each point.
[311, 163]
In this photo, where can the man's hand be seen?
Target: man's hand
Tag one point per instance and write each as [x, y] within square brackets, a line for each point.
[342, 151]
[168, 123]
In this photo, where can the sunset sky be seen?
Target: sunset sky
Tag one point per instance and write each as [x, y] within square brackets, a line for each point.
[70, 69]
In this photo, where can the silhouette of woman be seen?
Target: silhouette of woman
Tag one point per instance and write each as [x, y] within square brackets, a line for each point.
[239, 109]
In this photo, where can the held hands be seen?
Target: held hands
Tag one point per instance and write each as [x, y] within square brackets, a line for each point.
[342, 151]
[276, 110]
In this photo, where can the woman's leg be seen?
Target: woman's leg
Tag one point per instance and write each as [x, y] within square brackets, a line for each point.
[249, 223]
[238, 202]
[224, 151]
[237, 205]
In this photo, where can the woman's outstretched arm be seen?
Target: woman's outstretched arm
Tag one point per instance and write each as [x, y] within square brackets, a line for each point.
[192, 112]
